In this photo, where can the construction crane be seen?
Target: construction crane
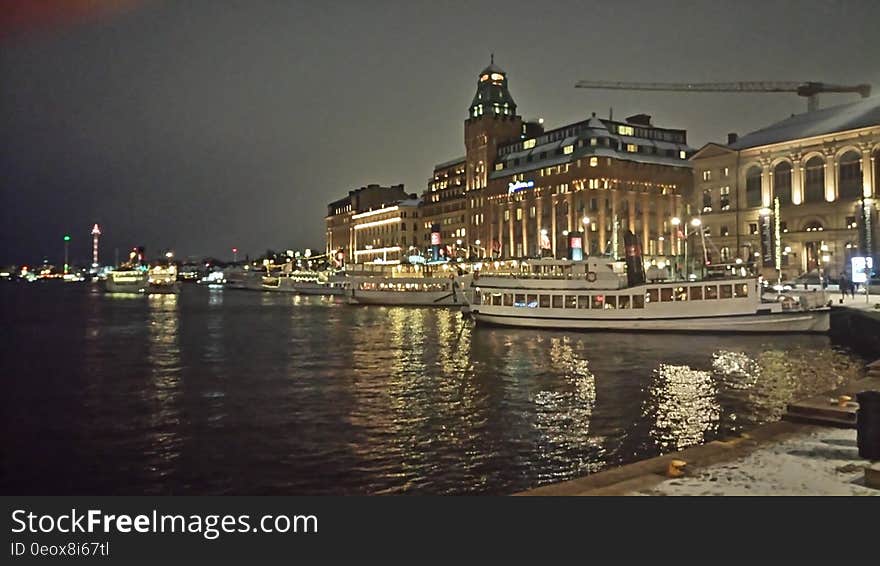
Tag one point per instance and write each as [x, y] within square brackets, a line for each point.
[810, 90]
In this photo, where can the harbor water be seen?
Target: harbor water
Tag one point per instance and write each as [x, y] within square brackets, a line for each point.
[239, 392]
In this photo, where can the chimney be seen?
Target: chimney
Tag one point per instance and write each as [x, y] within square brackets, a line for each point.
[731, 138]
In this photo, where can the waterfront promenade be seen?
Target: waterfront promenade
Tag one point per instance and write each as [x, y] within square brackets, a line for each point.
[780, 458]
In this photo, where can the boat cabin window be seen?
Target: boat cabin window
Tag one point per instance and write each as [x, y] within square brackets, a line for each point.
[531, 301]
[478, 298]
[508, 299]
[610, 302]
[583, 301]
[741, 290]
[666, 294]
[725, 291]
[496, 299]
[653, 295]
[623, 302]
[681, 294]
[696, 293]
[571, 301]
[598, 301]
[519, 300]
[638, 301]
[711, 292]
[544, 301]
[557, 301]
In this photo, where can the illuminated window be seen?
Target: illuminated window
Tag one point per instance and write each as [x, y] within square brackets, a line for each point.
[594, 161]
[568, 149]
[506, 215]
[499, 166]
[519, 214]
[707, 175]
[726, 172]
[626, 130]
[532, 212]
[682, 154]
[725, 198]
[529, 144]
[497, 77]
[632, 148]
[593, 141]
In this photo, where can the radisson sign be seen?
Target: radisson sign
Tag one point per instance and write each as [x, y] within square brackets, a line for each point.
[518, 186]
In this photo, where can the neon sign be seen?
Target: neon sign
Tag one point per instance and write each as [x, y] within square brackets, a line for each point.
[518, 186]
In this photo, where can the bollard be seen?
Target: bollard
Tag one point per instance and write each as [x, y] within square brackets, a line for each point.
[868, 424]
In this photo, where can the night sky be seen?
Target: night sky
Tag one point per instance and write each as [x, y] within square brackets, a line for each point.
[200, 126]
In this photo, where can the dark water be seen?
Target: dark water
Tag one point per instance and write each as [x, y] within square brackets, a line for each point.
[238, 392]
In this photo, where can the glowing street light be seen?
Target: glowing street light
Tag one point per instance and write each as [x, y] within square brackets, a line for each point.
[234, 255]
[66, 245]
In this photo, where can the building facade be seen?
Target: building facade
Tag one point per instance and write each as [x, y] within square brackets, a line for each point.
[795, 197]
[372, 222]
[525, 190]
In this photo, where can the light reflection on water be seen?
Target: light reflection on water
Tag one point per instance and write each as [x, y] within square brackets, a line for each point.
[245, 392]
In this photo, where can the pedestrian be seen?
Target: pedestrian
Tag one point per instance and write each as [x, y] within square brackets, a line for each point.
[852, 288]
[844, 286]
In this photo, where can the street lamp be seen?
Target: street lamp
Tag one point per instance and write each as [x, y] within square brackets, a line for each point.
[586, 222]
[234, 255]
[66, 244]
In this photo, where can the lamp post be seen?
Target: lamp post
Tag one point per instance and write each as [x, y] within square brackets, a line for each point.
[696, 223]
[586, 222]
[66, 245]
[676, 221]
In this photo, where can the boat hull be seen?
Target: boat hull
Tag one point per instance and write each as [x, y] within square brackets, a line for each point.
[407, 298]
[817, 321]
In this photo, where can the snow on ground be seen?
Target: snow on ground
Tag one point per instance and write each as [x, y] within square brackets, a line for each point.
[825, 462]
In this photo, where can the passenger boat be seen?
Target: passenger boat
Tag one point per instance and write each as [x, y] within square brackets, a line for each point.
[162, 279]
[598, 294]
[126, 281]
[303, 283]
[404, 284]
[243, 278]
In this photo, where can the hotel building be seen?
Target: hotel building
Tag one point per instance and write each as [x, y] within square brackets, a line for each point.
[373, 223]
[519, 190]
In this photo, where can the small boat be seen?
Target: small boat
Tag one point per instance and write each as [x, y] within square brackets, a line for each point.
[162, 279]
[404, 284]
[243, 278]
[600, 294]
[126, 281]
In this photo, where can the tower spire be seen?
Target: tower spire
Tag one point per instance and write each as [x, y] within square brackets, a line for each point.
[492, 58]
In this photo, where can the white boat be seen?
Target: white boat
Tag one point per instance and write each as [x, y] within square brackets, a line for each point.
[597, 294]
[241, 278]
[303, 283]
[162, 279]
[126, 281]
[404, 284]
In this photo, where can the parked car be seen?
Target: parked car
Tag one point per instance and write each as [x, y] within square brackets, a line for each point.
[806, 282]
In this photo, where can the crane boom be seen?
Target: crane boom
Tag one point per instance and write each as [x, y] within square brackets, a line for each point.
[808, 89]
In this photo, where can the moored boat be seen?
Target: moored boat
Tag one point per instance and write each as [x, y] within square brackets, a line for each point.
[126, 281]
[405, 284]
[598, 294]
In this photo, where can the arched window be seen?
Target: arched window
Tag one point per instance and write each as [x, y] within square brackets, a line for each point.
[814, 183]
[782, 182]
[753, 187]
[850, 175]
